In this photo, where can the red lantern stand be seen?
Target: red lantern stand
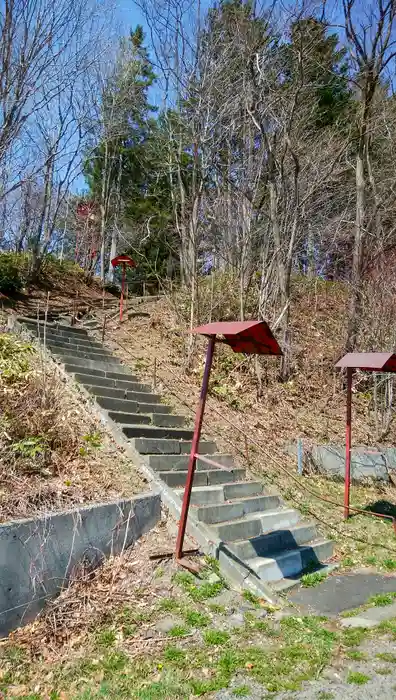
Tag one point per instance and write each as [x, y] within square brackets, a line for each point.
[367, 362]
[248, 337]
[125, 261]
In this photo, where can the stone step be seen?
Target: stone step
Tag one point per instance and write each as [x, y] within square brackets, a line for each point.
[280, 539]
[291, 561]
[66, 342]
[170, 462]
[225, 512]
[73, 348]
[107, 382]
[161, 420]
[124, 376]
[123, 405]
[150, 446]
[86, 364]
[155, 432]
[209, 495]
[81, 354]
[256, 524]
[140, 398]
[205, 477]
[59, 329]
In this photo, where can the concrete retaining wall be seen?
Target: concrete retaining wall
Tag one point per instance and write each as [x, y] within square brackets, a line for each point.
[38, 556]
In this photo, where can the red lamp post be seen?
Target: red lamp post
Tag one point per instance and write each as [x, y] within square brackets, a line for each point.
[248, 337]
[125, 261]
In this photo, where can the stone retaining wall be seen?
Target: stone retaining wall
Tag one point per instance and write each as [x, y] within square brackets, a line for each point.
[40, 555]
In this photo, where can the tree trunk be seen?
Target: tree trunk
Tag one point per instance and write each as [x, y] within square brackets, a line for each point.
[355, 300]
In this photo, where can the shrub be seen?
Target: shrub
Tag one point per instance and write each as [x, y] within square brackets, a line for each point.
[12, 272]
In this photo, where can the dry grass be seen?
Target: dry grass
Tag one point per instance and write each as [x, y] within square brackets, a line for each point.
[54, 454]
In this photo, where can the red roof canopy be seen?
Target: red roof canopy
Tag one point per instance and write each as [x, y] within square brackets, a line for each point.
[369, 361]
[123, 259]
[249, 337]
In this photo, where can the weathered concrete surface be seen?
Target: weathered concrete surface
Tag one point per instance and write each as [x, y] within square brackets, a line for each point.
[365, 463]
[338, 593]
[38, 556]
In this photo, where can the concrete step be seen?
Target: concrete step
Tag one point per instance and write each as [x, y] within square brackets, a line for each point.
[140, 398]
[208, 495]
[263, 545]
[256, 524]
[161, 420]
[67, 342]
[121, 405]
[59, 329]
[291, 561]
[81, 354]
[170, 462]
[107, 382]
[149, 446]
[86, 364]
[155, 432]
[205, 477]
[224, 512]
[74, 347]
[124, 376]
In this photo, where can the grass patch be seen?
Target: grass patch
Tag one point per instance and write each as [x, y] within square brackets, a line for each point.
[196, 619]
[357, 678]
[106, 638]
[168, 605]
[389, 564]
[385, 671]
[382, 599]
[251, 598]
[353, 636]
[355, 655]
[313, 579]
[387, 656]
[324, 695]
[175, 655]
[242, 691]
[179, 631]
[216, 637]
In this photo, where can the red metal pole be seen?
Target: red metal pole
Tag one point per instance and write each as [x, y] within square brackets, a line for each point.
[348, 444]
[122, 291]
[194, 448]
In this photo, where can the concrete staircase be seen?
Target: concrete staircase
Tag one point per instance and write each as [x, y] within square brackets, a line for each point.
[252, 527]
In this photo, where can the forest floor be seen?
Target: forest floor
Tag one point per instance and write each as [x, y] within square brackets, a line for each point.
[311, 405]
[145, 629]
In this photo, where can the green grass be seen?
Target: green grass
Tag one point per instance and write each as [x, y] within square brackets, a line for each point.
[251, 598]
[242, 691]
[355, 655]
[179, 631]
[175, 655]
[106, 638]
[357, 678]
[196, 619]
[168, 605]
[216, 637]
[314, 579]
[387, 656]
[385, 671]
[382, 599]
[389, 564]
[324, 695]
[353, 636]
